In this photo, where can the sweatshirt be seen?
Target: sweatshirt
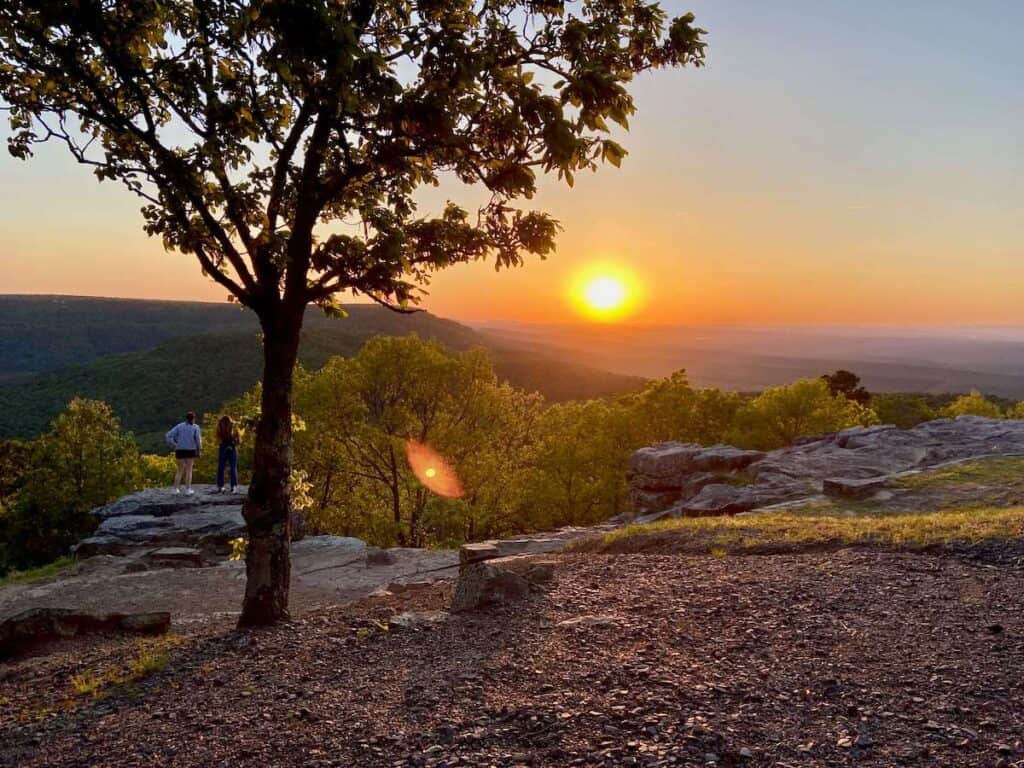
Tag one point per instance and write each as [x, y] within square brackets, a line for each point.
[185, 437]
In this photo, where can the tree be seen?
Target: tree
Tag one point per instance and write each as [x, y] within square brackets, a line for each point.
[670, 409]
[248, 128]
[847, 384]
[903, 410]
[14, 462]
[579, 465]
[360, 415]
[972, 404]
[84, 461]
[780, 415]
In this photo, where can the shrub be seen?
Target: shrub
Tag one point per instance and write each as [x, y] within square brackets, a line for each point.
[972, 404]
[780, 415]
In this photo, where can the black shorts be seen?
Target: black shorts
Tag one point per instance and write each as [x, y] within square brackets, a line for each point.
[185, 454]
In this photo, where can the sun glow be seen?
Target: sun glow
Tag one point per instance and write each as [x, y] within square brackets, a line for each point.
[605, 293]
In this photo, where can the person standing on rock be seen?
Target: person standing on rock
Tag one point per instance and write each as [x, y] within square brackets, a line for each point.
[228, 437]
[187, 443]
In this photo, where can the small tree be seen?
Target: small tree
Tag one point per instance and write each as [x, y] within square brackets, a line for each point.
[847, 384]
[973, 404]
[84, 461]
[780, 415]
[360, 414]
[903, 410]
[246, 127]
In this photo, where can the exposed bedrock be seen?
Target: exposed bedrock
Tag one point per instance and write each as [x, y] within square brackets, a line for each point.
[688, 480]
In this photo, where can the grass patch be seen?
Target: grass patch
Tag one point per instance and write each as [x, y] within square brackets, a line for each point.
[37, 574]
[795, 531]
[148, 662]
[995, 471]
[88, 684]
[151, 655]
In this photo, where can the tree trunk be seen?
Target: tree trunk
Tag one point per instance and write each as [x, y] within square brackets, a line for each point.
[268, 506]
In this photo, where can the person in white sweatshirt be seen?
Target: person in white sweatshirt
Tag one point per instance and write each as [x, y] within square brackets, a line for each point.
[187, 442]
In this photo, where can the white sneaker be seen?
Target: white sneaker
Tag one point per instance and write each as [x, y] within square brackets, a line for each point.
[189, 492]
[234, 489]
[221, 489]
[177, 491]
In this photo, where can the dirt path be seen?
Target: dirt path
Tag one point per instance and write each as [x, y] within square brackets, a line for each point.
[865, 658]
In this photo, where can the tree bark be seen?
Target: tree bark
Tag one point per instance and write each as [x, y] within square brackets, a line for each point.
[268, 506]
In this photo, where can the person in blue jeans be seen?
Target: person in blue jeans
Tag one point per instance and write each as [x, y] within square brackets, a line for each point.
[228, 437]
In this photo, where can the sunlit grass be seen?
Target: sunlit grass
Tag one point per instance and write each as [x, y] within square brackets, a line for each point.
[993, 471]
[794, 530]
[88, 684]
[151, 655]
[36, 574]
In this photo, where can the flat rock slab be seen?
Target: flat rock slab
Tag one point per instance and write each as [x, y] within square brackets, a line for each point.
[163, 502]
[158, 518]
[328, 570]
[39, 625]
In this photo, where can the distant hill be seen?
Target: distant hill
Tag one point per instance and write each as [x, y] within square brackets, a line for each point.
[208, 354]
[44, 333]
[749, 359]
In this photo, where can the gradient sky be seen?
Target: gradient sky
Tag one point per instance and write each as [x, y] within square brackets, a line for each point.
[835, 162]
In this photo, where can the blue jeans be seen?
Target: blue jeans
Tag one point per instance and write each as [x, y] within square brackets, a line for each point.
[227, 454]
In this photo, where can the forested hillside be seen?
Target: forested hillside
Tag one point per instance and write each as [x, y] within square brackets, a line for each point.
[43, 333]
[212, 355]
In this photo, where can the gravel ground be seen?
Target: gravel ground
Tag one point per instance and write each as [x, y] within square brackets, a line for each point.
[838, 658]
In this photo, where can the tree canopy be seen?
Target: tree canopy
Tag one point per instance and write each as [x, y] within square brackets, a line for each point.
[246, 125]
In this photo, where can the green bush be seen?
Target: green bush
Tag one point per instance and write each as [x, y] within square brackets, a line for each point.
[973, 404]
[84, 461]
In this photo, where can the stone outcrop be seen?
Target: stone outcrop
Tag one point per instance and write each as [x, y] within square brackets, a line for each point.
[37, 625]
[157, 519]
[675, 479]
[502, 580]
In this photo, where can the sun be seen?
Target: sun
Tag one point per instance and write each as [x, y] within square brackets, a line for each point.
[605, 293]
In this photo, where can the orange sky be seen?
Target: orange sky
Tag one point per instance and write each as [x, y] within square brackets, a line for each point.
[812, 173]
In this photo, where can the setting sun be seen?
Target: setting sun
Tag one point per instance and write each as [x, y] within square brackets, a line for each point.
[605, 293]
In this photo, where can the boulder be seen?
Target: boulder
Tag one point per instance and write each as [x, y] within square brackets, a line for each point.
[158, 518]
[500, 581]
[664, 459]
[37, 625]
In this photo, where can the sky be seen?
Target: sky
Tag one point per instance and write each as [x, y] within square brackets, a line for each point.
[834, 163]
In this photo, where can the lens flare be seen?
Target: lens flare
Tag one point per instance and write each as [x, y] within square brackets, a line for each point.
[433, 470]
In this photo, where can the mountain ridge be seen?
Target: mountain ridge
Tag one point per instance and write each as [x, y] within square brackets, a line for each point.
[124, 355]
